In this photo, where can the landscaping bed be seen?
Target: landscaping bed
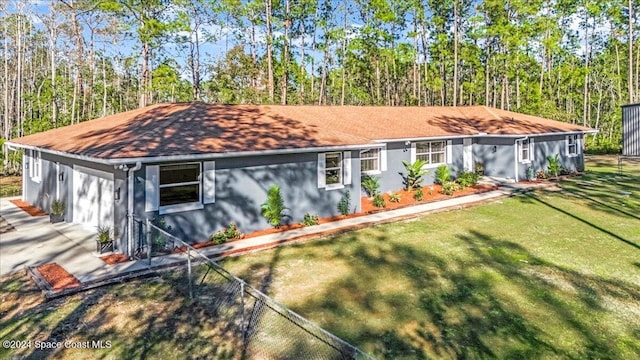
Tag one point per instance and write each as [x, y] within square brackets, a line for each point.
[58, 278]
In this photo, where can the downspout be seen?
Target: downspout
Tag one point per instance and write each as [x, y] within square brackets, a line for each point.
[130, 178]
[516, 157]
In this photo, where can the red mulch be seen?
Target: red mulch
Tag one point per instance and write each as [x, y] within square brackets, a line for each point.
[431, 193]
[114, 259]
[58, 277]
[28, 208]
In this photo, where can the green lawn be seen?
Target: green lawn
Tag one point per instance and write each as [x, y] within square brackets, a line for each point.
[549, 274]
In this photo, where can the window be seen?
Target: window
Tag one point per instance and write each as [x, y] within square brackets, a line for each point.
[572, 145]
[525, 150]
[432, 152]
[179, 184]
[333, 168]
[370, 161]
[36, 166]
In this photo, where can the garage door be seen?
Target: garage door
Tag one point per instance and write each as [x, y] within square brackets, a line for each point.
[93, 197]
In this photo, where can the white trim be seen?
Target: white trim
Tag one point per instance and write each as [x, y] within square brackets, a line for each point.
[449, 152]
[164, 209]
[378, 159]
[446, 152]
[467, 154]
[57, 180]
[151, 188]
[412, 156]
[519, 146]
[208, 182]
[483, 135]
[340, 169]
[334, 187]
[320, 174]
[170, 209]
[346, 168]
[576, 145]
[382, 153]
[36, 164]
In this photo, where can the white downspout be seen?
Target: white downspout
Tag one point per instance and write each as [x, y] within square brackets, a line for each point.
[130, 178]
[130, 196]
[517, 156]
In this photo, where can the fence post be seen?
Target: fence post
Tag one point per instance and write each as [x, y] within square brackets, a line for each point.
[242, 326]
[189, 272]
[148, 236]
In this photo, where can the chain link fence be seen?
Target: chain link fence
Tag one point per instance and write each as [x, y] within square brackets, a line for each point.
[247, 321]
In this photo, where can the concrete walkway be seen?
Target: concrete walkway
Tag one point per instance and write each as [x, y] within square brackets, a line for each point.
[35, 241]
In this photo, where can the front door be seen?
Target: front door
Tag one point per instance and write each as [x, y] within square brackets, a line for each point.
[467, 154]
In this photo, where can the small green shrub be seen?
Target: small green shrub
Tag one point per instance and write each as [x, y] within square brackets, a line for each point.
[344, 205]
[230, 233]
[378, 201]
[467, 178]
[104, 234]
[418, 195]
[310, 220]
[395, 197]
[57, 207]
[415, 172]
[273, 208]
[450, 187]
[479, 168]
[371, 185]
[443, 174]
[554, 165]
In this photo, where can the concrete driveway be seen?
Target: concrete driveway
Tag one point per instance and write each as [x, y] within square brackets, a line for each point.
[34, 241]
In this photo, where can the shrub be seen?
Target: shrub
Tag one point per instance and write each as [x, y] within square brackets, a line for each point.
[57, 208]
[229, 233]
[443, 174]
[418, 195]
[371, 185]
[467, 178]
[104, 234]
[479, 168]
[450, 187]
[415, 172]
[378, 201]
[541, 175]
[273, 208]
[554, 165]
[310, 220]
[344, 205]
[394, 197]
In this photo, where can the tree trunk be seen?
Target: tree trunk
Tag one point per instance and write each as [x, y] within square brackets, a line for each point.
[270, 85]
[144, 78]
[630, 79]
[455, 52]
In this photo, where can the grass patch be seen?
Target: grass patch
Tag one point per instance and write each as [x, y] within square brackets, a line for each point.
[10, 186]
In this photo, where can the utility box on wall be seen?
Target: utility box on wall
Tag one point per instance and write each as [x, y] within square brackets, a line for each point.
[631, 130]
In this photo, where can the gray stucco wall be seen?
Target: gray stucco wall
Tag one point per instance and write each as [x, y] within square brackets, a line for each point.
[42, 193]
[241, 187]
[496, 155]
[549, 146]
[392, 179]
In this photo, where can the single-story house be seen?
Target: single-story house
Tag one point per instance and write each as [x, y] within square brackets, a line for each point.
[201, 166]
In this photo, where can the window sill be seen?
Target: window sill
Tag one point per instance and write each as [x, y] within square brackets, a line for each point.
[334, 187]
[372, 172]
[573, 155]
[433, 166]
[525, 161]
[170, 209]
[36, 179]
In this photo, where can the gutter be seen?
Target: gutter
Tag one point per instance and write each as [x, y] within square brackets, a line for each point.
[130, 195]
[192, 157]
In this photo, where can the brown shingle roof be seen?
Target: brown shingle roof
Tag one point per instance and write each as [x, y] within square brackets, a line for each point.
[199, 128]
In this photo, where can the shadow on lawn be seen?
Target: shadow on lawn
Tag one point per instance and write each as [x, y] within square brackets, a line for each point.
[397, 301]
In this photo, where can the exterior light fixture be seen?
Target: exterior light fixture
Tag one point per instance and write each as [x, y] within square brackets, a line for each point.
[61, 176]
[116, 194]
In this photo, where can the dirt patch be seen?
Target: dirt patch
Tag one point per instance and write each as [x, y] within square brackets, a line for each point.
[431, 193]
[28, 208]
[58, 277]
[114, 259]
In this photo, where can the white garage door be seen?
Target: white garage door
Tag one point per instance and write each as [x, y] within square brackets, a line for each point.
[93, 197]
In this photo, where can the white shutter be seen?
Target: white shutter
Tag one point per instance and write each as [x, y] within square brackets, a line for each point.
[209, 182]
[30, 162]
[322, 181]
[413, 153]
[152, 193]
[532, 149]
[566, 145]
[578, 144]
[346, 166]
[449, 151]
[383, 159]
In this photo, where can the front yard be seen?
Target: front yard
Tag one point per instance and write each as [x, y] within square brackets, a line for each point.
[546, 274]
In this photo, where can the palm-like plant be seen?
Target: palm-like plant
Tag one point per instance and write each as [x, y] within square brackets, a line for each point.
[443, 174]
[415, 172]
[273, 208]
[371, 185]
[554, 165]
